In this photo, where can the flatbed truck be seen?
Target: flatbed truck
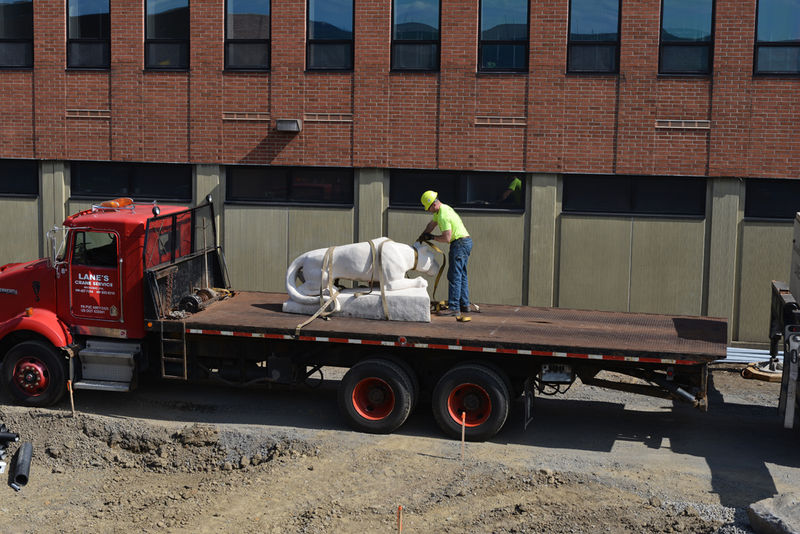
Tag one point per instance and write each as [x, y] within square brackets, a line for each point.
[133, 288]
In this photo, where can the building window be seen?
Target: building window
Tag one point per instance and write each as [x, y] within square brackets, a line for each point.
[19, 177]
[778, 37]
[634, 195]
[593, 36]
[141, 181]
[686, 27]
[504, 35]
[16, 33]
[88, 34]
[330, 34]
[464, 190]
[166, 29]
[771, 199]
[415, 35]
[289, 185]
[247, 34]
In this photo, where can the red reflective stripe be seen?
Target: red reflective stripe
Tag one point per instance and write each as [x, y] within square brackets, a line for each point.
[438, 346]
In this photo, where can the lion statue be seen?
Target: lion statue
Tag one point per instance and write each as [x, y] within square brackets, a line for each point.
[354, 262]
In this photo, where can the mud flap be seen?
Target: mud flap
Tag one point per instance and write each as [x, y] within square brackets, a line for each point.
[527, 399]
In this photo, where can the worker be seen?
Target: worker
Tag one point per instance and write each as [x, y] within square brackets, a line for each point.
[513, 193]
[455, 233]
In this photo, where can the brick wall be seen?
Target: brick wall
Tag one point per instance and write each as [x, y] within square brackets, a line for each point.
[540, 121]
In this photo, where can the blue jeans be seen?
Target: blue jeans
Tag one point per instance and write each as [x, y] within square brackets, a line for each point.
[458, 285]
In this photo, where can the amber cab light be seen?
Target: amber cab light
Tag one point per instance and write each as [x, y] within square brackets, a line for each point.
[117, 202]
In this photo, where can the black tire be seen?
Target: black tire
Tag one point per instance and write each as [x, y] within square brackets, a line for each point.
[479, 392]
[412, 377]
[376, 396]
[34, 373]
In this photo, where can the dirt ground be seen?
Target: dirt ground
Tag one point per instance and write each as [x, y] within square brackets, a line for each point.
[200, 459]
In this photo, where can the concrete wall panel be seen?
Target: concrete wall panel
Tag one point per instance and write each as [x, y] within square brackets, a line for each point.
[667, 266]
[20, 231]
[766, 255]
[594, 264]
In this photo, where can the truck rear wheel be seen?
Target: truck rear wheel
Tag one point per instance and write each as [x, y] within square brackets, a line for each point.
[34, 374]
[475, 392]
[376, 396]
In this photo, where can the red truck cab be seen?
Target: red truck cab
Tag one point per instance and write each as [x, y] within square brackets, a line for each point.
[90, 287]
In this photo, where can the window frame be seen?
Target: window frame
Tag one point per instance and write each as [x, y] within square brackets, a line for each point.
[310, 42]
[29, 48]
[187, 42]
[694, 44]
[617, 44]
[267, 42]
[230, 199]
[34, 191]
[106, 42]
[631, 179]
[757, 45]
[486, 42]
[131, 170]
[456, 177]
[436, 42]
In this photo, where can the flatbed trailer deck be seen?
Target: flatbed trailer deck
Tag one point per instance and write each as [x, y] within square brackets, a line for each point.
[504, 329]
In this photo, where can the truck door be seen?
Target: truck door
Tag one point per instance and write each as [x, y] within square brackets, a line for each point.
[94, 276]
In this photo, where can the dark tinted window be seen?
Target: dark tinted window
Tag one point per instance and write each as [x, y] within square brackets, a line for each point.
[686, 36]
[19, 177]
[415, 34]
[247, 34]
[504, 35]
[166, 34]
[778, 37]
[16, 33]
[88, 33]
[330, 34]
[593, 36]
[481, 190]
[141, 181]
[635, 195]
[771, 199]
[302, 185]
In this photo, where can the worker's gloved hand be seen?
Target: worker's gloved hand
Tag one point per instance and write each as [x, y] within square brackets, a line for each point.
[425, 236]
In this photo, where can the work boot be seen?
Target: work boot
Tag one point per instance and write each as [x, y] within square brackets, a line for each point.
[448, 313]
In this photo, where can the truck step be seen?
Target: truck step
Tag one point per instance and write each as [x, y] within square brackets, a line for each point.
[108, 361]
[102, 385]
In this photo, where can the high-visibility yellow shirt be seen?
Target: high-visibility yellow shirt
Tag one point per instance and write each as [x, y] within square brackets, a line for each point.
[448, 219]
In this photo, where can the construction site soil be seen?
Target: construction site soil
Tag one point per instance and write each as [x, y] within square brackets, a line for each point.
[174, 457]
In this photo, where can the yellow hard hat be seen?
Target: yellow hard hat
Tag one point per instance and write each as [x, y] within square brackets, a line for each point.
[427, 198]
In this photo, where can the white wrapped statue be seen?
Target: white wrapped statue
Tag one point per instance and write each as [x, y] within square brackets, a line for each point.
[400, 298]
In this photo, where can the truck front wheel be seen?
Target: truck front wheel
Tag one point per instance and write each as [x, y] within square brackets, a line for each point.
[474, 394]
[376, 396]
[34, 374]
